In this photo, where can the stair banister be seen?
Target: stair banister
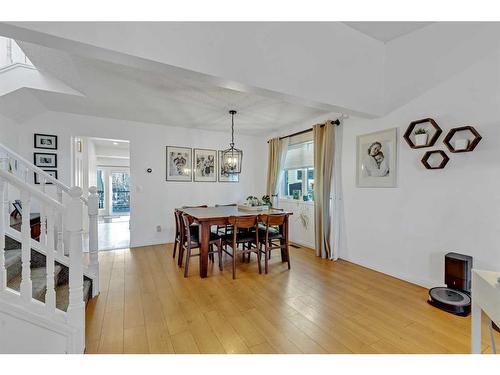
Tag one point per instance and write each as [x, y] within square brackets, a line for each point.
[76, 308]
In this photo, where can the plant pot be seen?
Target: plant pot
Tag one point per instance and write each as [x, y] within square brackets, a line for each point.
[421, 139]
[461, 144]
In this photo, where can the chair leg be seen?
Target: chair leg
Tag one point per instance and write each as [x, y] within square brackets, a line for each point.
[266, 258]
[258, 259]
[181, 255]
[287, 251]
[234, 261]
[188, 256]
[175, 247]
[219, 248]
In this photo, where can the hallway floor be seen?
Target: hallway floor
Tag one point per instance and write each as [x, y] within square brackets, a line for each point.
[114, 234]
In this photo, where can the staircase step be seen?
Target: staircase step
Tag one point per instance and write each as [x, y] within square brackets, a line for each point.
[62, 294]
[13, 263]
[38, 280]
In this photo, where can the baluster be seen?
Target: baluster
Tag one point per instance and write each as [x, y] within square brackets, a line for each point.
[76, 308]
[3, 270]
[50, 295]
[93, 209]
[60, 225]
[43, 217]
[26, 247]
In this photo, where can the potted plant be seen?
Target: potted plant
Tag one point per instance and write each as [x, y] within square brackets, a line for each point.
[266, 201]
[420, 137]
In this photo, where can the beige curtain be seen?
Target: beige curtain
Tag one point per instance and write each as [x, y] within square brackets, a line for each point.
[273, 166]
[324, 151]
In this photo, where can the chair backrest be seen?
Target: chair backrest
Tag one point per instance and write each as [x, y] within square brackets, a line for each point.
[270, 220]
[177, 216]
[243, 222]
[186, 224]
[203, 206]
[226, 205]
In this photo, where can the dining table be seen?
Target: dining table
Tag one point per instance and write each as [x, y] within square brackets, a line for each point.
[206, 217]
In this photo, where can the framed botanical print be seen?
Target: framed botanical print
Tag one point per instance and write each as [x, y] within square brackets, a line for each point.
[204, 165]
[46, 141]
[43, 160]
[224, 175]
[179, 163]
[376, 164]
[53, 173]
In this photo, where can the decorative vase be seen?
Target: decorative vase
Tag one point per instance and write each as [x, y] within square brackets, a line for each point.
[461, 144]
[421, 139]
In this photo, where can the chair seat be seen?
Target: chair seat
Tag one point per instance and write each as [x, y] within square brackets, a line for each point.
[241, 237]
[273, 233]
[194, 239]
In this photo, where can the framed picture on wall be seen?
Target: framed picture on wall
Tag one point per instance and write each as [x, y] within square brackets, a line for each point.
[46, 141]
[43, 160]
[179, 163]
[224, 176]
[204, 165]
[376, 164]
[53, 173]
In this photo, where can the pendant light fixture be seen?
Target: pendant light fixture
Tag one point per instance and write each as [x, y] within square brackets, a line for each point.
[231, 158]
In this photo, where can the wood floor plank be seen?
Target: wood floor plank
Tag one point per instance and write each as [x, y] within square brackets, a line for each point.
[147, 306]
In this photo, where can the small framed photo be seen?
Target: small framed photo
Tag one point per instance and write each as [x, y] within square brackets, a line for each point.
[377, 156]
[46, 141]
[43, 160]
[53, 173]
[205, 165]
[224, 175]
[179, 163]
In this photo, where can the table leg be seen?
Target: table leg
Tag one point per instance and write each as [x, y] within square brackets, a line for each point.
[476, 329]
[204, 239]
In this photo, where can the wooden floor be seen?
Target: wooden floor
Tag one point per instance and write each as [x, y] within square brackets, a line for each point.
[319, 306]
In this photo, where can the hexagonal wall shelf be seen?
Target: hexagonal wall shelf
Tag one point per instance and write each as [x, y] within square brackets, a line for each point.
[466, 145]
[424, 123]
[444, 159]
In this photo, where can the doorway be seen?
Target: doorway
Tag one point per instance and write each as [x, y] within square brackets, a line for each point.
[105, 163]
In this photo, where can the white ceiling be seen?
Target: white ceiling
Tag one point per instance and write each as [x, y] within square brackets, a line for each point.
[122, 92]
[387, 31]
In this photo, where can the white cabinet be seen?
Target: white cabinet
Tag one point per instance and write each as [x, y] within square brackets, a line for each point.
[301, 229]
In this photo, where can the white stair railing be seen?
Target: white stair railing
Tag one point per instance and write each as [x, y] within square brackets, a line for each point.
[61, 218]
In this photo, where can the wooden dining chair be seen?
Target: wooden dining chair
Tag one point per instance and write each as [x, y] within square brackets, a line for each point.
[192, 242]
[245, 233]
[179, 232]
[272, 236]
[222, 230]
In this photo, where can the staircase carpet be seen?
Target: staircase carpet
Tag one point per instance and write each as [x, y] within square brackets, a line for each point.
[13, 264]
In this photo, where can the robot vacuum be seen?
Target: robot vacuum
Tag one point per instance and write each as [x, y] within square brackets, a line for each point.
[455, 297]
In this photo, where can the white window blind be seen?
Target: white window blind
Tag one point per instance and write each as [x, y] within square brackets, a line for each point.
[300, 156]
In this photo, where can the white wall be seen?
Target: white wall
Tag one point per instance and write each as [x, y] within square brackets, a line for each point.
[8, 133]
[406, 231]
[152, 198]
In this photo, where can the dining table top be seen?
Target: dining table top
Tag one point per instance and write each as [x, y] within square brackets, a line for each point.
[208, 213]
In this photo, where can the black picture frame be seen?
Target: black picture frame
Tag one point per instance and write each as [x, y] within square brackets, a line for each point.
[216, 164]
[38, 141]
[170, 172]
[52, 165]
[233, 178]
[54, 171]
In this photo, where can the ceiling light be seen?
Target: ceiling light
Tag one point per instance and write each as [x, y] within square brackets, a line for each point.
[231, 157]
[115, 143]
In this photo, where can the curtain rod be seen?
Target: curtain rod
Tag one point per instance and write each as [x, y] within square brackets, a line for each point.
[336, 122]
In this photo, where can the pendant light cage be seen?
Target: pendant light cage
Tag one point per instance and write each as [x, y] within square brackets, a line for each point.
[231, 157]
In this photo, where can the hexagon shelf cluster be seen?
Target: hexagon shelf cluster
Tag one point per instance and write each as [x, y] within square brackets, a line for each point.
[467, 146]
[434, 137]
[444, 159]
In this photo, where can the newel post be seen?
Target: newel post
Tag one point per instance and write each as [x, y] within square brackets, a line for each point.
[93, 210]
[76, 308]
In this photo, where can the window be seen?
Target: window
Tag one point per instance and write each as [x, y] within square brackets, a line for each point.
[298, 178]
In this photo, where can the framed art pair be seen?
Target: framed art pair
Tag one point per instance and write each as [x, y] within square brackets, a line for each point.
[199, 165]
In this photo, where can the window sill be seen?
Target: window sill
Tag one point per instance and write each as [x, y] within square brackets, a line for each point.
[296, 201]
